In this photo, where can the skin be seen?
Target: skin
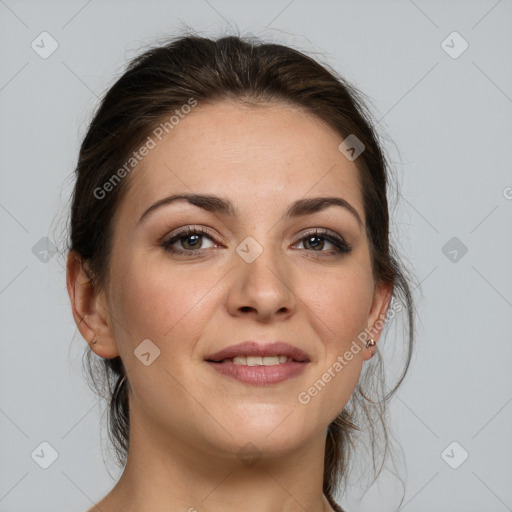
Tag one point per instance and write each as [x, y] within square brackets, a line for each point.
[188, 422]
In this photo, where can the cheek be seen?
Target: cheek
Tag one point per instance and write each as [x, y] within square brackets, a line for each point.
[161, 301]
[342, 301]
[339, 313]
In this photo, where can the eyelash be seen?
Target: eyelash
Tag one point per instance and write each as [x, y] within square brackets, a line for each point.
[342, 247]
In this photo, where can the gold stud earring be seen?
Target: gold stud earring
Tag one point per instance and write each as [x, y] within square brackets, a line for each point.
[371, 343]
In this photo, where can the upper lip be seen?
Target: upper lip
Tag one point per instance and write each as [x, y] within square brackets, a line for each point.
[255, 348]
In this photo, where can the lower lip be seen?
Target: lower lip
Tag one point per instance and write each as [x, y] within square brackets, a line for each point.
[260, 375]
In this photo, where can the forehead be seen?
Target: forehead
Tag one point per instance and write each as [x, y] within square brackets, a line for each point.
[272, 153]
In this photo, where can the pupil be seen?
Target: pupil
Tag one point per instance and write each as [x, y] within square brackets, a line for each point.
[313, 238]
[192, 236]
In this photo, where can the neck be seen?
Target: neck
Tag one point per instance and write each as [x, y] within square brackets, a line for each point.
[165, 473]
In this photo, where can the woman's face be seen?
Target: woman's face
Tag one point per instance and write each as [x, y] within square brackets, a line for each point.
[256, 275]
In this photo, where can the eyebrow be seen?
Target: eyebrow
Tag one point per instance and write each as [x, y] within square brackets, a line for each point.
[219, 205]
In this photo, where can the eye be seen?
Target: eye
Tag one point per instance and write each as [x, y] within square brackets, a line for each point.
[316, 240]
[190, 240]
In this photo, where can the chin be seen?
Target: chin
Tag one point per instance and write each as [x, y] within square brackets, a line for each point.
[271, 437]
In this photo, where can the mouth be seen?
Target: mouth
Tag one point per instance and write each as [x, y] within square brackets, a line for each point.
[259, 374]
[257, 360]
[256, 353]
[259, 363]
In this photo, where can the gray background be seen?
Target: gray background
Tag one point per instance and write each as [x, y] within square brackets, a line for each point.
[451, 120]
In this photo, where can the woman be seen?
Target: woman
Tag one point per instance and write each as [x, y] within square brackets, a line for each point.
[229, 264]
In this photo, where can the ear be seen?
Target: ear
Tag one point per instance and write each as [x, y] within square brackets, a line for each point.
[382, 295]
[88, 305]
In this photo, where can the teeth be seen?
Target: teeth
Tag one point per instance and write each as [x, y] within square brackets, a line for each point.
[260, 361]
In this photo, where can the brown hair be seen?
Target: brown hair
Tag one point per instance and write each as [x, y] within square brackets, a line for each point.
[163, 79]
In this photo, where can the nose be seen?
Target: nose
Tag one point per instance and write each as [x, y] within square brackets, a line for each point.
[262, 289]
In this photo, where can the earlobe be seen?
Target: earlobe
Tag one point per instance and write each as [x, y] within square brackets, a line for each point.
[88, 308]
[377, 316]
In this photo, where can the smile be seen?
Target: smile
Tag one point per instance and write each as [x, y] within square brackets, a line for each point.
[259, 371]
